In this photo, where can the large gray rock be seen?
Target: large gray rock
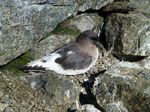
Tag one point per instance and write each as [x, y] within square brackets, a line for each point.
[19, 97]
[125, 6]
[23, 23]
[61, 92]
[123, 88]
[92, 4]
[128, 34]
[118, 7]
[142, 6]
[84, 22]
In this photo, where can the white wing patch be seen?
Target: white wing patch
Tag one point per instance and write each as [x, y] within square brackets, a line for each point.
[70, 52]
[47, 62]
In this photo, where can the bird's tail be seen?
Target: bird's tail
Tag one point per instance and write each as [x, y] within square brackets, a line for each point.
[34, 66]
[36, 69]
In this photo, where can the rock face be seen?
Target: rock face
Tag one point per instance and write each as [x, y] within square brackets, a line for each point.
[123, 89]
[85, 22]
[141, 6]
[24, 23]
[61, 93]
[45, 25]
[94, 4]
[128, 34]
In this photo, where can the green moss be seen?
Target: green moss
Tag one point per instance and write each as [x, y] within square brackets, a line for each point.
[14, 67]
[61, 29]
[64, 29]
[1, 53]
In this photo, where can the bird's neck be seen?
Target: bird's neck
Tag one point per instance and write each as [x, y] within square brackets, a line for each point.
[87, 45]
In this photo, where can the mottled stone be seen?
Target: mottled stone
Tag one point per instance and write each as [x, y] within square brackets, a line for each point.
[22, 109]
[92, 4]
[9, 109]
[3, 106]
[142, 6]
[61, 90]
[22, 24]
[128, 34]
[118, 7]
[125, 6]
[121, 88]
[84, 22]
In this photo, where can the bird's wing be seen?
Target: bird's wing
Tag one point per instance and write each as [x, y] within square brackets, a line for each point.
[73, 58]
[70, 57]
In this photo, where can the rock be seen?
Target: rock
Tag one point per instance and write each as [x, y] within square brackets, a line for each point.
[121, 88]
[94, 4]
[23, 23]
[1, 94]
[142, 6]
[126, 6]
[84, 22]
[116, 107]
[8, 100]
[19, 96]
[128, 34]
[22, 109]
[145, 64]
[9, 109]
[61, 92]
[118, 7]
[62, 2]
[3, 106]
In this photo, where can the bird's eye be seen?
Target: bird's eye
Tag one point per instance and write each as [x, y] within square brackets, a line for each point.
[94, 38]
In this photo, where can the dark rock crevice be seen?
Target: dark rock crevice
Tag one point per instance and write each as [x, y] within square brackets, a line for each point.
[130, 58]
[89, 97]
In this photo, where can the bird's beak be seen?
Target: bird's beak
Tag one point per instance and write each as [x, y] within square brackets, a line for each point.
[99, 31]
[97, 36]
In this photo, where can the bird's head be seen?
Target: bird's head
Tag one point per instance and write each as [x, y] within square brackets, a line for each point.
[88, 35]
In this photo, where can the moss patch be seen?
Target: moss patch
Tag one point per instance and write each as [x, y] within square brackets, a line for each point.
[14, 67]
[64, 29]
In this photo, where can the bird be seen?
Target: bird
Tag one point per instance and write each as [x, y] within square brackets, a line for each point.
[74, 58]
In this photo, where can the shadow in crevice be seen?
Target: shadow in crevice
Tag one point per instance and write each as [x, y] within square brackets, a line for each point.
[130, 58]
[90, 98]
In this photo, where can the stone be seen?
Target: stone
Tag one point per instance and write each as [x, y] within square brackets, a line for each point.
[22, 24]
[3, 106]
[60, 92]
[128, 34]
[118, 7]
[142, 6]
[84, 22]
[145, 64]
[22, 109]
[94, 4]
[121, 88]
[125, 6]
[9, 109]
